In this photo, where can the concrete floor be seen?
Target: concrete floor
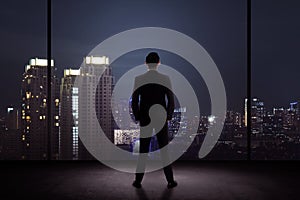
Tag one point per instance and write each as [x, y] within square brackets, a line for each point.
[196, 180]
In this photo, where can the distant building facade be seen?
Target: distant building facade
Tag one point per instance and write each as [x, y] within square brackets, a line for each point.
[12, 119]
[69, 113]
[257, 115]
[34, 126]
[92, 67]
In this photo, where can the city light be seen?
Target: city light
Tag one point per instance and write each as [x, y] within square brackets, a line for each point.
[10, 109]
[279, 125]
[97, 60]
[211, 119]
[40, 62]
[71, 72]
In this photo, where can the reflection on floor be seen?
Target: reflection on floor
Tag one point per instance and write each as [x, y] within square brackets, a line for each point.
[196, 180]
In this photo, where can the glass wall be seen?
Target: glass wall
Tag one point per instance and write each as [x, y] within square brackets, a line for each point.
[23, 47]
[275, 82]
[219, 27]
[79, 26]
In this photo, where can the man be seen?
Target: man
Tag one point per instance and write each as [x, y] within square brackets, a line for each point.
[144, 97]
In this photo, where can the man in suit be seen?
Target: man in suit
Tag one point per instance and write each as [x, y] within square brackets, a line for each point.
[144, 97]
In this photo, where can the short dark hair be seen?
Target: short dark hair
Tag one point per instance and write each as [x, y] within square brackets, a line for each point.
[152, 57]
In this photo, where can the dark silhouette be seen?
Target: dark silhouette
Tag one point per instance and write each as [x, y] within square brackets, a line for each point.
[142, 99]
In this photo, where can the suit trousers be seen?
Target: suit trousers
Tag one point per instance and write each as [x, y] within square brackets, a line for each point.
[163, 140]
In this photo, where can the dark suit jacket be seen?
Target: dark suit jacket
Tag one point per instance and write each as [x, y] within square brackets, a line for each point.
[149, 94]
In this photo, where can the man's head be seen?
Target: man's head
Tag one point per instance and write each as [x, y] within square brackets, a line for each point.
[152, 60]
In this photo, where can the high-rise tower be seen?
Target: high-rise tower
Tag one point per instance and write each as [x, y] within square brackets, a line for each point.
[257, 115]
[92, 67]
[69, 108]
[34, 127]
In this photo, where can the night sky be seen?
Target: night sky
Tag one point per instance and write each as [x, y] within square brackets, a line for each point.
[218, 25]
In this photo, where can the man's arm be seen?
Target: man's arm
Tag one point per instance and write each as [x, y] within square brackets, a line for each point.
[135, 102]
[170, 97]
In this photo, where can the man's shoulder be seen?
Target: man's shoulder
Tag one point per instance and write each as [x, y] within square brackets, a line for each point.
[139, 76]
[165, 76]
[152, 76]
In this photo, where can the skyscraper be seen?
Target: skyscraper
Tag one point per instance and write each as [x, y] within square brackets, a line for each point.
[273, 122]
[34, 130]
[233, 118]
[92, 67]
[69, 109]
[245, 113]
[291, 119]
[179, 119]
[295, 107]
[257, 115]
[12, 120]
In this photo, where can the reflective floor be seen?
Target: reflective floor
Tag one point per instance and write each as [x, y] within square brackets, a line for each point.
[196, 180]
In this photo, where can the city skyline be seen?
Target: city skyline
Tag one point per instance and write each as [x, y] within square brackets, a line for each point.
[27, 128]
[240, 109]
[73, 71]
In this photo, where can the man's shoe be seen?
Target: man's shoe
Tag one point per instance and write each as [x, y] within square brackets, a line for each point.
[172, 184]
[136, 184]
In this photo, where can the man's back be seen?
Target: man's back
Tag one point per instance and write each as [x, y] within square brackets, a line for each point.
[152, 88]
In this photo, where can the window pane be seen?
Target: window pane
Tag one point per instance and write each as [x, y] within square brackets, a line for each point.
[275, 112]
[218, 26]
[23, 40]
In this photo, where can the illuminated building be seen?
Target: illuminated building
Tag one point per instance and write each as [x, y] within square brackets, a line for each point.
[290, 120]
[123, 136]
[92, 67]
[12, 121]
[69, 108]
[245, 113]
[34, 130]
[295, 107]
[178, 119]
[257, 115]
[273, 122]
[233, 118]
[232, 125]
